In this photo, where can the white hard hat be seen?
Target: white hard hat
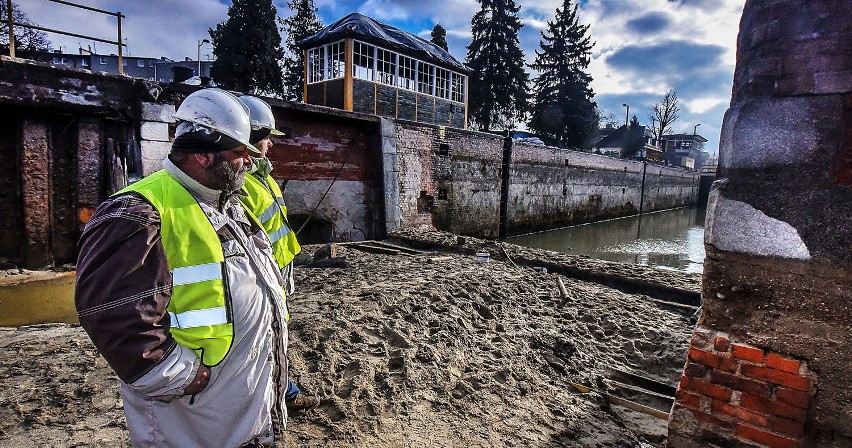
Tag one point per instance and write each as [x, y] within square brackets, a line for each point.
[260, 114]
[219, 111]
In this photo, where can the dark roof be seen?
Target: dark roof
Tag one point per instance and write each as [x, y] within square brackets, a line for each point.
[378, 33]
[696, 137]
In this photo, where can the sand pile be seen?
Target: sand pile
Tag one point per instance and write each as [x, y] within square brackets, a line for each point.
[401, 352]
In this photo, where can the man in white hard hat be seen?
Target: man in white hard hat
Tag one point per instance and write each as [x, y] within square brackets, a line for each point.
[183, 298]
[265, 201]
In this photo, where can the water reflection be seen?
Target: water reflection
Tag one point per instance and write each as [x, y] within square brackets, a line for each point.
[672, 239]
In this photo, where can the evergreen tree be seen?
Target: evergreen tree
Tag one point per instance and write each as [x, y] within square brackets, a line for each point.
[634, 140]
[439, 37]
[303, 23]
[498, 87]
[563, 108]
[247, 48]
[25, 38]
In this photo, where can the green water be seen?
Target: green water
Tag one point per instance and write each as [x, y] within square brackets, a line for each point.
[672, 239]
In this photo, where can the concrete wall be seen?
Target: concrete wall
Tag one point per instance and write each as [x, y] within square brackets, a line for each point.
[768, 364]
[551, 187]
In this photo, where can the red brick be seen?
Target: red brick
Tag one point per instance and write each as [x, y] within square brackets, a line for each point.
[787, 427]
[687, 399]
[707, 358]
[705, 388]
[777, 377]
[741, 384]
[766, 438]
[743, 415]
[695, 370]
[747, 353]
[795, 397]
[769, 407]
[728, 364]
[778, 362]
[722, 344]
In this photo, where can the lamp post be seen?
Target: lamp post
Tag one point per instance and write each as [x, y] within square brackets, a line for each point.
[693, 130]
[626, 114]
[200, 43]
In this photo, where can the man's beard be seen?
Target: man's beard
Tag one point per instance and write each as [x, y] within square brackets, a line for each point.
[225, 176]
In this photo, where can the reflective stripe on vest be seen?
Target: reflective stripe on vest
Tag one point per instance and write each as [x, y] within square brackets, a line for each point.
[199, 310]
[264, 201]
[199, 318]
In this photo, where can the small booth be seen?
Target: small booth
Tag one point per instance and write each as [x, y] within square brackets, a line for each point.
[362, 65]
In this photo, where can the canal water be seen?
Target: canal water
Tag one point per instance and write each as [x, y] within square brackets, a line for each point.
[672, 239]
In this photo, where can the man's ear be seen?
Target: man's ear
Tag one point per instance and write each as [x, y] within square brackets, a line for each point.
[205, 159]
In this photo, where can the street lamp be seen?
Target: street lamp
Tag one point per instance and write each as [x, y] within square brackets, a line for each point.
[626, 114]
[693, 130]
[200, 43]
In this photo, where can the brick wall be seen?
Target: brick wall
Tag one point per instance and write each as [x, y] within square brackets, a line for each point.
[735, 393]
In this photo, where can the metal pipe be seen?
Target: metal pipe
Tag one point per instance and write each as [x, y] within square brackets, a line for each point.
[10, 22]
[120, 45]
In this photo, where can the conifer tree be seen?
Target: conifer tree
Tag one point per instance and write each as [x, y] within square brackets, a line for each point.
[498, 87]
[247, 48]
[303, 23]
[563, 108]
[439, 37]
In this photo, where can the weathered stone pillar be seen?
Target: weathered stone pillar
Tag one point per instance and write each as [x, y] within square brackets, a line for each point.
[90, 191]
[154, 135]
[35, 192]
[769, 361]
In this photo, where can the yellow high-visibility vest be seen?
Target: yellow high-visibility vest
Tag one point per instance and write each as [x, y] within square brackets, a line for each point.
[199, 308]
[266, 203]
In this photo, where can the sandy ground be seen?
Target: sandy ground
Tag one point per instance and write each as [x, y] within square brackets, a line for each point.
[403, 352]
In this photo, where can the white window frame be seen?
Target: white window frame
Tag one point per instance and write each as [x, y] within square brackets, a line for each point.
[363, 60]
[335, 63]
[316, 64]
[140, 63]
[385, 66]
[406, 73]
[426, 84]
[103, 60]
[442, 83]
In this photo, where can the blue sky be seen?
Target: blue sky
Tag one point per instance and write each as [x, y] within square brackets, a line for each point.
[642, 47]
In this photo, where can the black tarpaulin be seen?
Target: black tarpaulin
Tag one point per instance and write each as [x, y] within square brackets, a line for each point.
[372, 31]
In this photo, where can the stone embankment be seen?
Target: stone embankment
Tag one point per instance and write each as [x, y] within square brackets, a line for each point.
[423, 347]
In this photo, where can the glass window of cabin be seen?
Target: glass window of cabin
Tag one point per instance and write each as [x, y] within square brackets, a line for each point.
[103, 60]
[336, 63]
[385, 66]
[407, 78]
[442, 83]
[315, 64]
[458, 88]
[140, 63]
[425, 78]
[362, 61]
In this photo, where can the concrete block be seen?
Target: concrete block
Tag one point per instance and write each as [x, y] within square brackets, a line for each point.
[154, 131]
[150, 166]
[739, 227]
[158, 112]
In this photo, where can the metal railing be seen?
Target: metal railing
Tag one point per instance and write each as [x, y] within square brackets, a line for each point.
[118, 15]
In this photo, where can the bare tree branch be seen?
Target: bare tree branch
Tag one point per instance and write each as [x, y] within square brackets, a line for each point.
[664, 114]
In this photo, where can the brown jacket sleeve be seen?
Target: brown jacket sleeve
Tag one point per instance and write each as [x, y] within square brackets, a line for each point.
[124, 286]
